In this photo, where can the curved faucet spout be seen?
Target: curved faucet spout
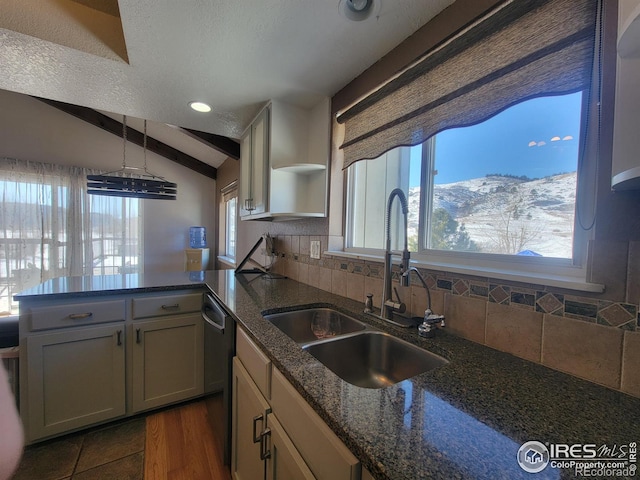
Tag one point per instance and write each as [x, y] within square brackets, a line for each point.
[388, 304]
[397, 192]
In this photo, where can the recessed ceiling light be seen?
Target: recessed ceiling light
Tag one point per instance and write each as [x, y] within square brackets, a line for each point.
[200, 107]
[357, 10]
[358, 5]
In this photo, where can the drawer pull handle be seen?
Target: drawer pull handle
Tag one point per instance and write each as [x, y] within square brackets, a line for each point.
[80, 316]
[171, 307]
[256, 437]
[264, 451]
[119, 335]
[138, 335]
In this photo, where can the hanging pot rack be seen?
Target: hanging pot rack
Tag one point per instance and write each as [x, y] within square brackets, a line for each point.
[135, 182]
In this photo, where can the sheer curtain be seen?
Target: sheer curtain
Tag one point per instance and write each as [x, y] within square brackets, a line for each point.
[51, 227]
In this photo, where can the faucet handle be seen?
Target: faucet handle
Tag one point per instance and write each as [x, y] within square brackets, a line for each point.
[401, 307]
[430, 323]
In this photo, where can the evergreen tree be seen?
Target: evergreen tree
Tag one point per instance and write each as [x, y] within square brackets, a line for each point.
[448, 234]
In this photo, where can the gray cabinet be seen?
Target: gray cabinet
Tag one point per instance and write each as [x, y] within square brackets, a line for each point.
[626, 142]
[284, 159]
[76, 378]
[167, 359]
[249, 417]
[276, 434]
[283, 460]
[88, 360]
[254, 162]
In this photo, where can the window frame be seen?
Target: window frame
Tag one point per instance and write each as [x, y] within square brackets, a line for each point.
[62, 232]
[227, 193]
[561, 272]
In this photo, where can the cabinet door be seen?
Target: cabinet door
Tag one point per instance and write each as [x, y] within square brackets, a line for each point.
[75, 378]
[324, 453]
[283, 460]
[168, 363]
[244, 194]
[249, 415]
[260, 162]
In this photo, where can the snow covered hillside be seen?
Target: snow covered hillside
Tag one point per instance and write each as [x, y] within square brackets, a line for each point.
[508, 213]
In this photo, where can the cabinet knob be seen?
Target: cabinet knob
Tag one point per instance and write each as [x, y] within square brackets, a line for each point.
[80, 316]
[119, 337]
[138, 335]
[248, 205]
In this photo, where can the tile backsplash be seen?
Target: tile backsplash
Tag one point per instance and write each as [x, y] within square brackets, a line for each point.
[595, 337]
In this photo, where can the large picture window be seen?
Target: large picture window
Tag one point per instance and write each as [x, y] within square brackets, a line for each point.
[50, 227]
[492, 135]
[506, 187]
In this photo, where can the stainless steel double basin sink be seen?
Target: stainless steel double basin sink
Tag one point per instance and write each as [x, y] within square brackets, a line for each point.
[354, 351]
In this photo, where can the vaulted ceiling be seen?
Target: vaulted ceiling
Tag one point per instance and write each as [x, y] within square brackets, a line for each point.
[150, 58]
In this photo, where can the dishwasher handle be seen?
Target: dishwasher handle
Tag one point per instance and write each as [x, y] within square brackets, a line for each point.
[213, 314]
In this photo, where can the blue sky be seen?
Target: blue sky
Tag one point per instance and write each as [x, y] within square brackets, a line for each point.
[517, 142]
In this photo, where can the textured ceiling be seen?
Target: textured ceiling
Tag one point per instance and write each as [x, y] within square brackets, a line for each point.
[233, 55]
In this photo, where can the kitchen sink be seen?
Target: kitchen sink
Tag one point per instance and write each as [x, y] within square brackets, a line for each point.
[374, 359]
[297, 324]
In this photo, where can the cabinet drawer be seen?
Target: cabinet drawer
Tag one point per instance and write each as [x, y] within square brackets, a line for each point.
[255, 362]
[159, 305]
[321, 449]
[76, 314]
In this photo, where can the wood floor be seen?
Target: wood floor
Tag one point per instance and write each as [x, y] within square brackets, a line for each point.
[172, 444]
[181, 445]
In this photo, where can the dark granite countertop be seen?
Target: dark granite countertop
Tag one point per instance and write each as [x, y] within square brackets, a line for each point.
[464, 420]
[85, 286]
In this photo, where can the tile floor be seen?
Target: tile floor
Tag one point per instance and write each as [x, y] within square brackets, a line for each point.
[114, 451]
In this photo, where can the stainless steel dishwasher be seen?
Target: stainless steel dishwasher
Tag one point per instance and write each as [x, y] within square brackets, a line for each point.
[219, 345]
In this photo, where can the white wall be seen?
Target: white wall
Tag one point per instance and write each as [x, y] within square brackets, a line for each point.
[32, 130]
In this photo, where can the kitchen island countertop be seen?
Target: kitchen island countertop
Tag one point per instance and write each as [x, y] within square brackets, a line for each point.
[466, 419]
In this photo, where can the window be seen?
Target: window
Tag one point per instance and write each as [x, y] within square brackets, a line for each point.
[230, 234]
[50, 227]
[228, 223]
[502, 190]
[498, 116]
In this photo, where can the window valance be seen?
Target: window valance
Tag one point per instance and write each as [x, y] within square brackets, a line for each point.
[520, 50]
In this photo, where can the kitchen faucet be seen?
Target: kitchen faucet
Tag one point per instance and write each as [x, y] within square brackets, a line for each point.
[389, 306]
[431, 320]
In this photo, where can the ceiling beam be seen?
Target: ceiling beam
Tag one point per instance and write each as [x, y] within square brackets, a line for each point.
[224, 145]
[110, 125]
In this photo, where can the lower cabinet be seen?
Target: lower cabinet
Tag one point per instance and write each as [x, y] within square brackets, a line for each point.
[90, 360]
[283, 460]
[76, 378]
[323, 452]
[168, 360]
[249, 417]
[281, 438]
[261, 448]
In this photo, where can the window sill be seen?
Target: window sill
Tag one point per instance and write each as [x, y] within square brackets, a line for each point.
[559, 281]
[228, 261]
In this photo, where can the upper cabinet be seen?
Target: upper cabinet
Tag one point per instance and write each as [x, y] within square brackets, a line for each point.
[626, 146]
[254, 165]
[284, 159]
